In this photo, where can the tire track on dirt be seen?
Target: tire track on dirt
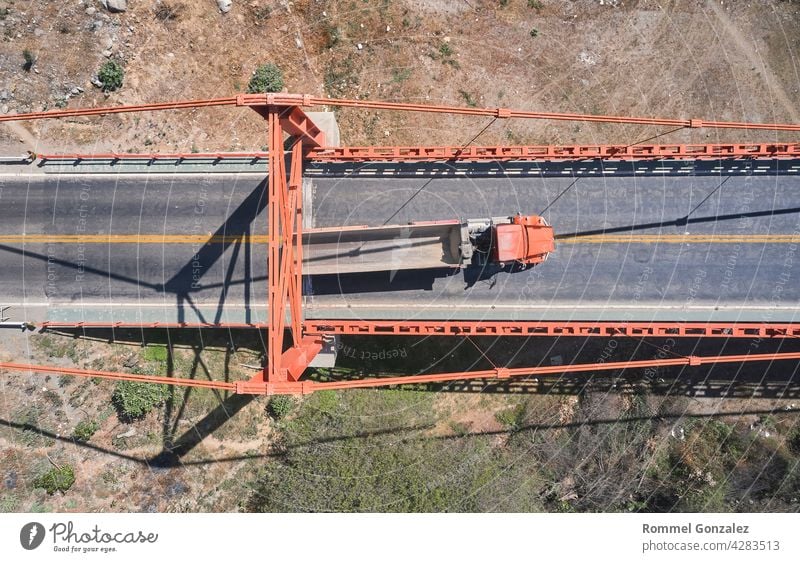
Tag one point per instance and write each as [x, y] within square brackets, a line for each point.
[751, 52]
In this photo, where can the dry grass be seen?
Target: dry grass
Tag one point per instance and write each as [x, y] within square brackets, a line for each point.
[691, 60]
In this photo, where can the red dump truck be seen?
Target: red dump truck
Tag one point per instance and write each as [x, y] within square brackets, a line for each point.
[518, 241]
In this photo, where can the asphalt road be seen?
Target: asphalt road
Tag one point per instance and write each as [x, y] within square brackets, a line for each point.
[672, 246]
[190, 281]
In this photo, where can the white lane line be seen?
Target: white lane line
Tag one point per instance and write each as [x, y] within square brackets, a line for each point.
[379, 305]
[382, 305]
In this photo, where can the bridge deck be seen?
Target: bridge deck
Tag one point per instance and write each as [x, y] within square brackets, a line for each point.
[671, 247]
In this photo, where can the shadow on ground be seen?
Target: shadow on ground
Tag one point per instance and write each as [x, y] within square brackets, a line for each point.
[362, 356]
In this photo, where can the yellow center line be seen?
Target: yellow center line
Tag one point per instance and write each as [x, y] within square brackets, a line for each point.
[263, 239]
[681, 239]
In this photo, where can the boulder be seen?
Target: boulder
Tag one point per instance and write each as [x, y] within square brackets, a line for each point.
[224, 6]
[130, 433]
[116, 6]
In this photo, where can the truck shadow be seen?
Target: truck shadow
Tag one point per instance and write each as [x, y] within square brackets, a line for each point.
[405, 279]
[378, 281]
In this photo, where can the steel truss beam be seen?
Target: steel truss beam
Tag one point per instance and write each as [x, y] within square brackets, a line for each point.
[110, 375]
[304, 100]
[485, 328]
[504, 374]
[554, 329]
[481, 153]
[563, 152]
[500, 374]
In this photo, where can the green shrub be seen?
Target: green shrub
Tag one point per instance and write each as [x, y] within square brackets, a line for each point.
[446, 53]
[535, 4]
[267, 78]
[468, 99]
[331, 35]
[56, 479]
[111, 75]
[166, 11]
[9, 503]
[512, 418]
[135, 399]
[84, 430]
[280, 406]
[260, 13]
[30, 60]
[793, 440]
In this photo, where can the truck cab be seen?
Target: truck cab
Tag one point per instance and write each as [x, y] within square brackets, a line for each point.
[520, 241]
[527, 240]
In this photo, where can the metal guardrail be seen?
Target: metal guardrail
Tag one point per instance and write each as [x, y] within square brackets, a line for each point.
[18, 325]
[18, 159]
[5, 321]
[168, 163]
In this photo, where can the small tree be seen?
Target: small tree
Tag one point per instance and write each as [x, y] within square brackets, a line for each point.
[110, 76]
[58, 479]
[267, 78]
[280, 406]
[30, 60]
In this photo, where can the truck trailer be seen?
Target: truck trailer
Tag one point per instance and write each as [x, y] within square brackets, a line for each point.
[518, 242]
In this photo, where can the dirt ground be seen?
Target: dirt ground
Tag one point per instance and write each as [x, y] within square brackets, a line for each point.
[127, 466]
[673, 58]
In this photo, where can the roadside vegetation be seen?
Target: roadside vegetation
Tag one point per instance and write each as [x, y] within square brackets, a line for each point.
[135, 399]
[266, 78]
[29, 60]
[280, 406]
[111, 75]
[555, 445]
[372, 451]
[57, 479]
[84, 430]
[381, 451]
